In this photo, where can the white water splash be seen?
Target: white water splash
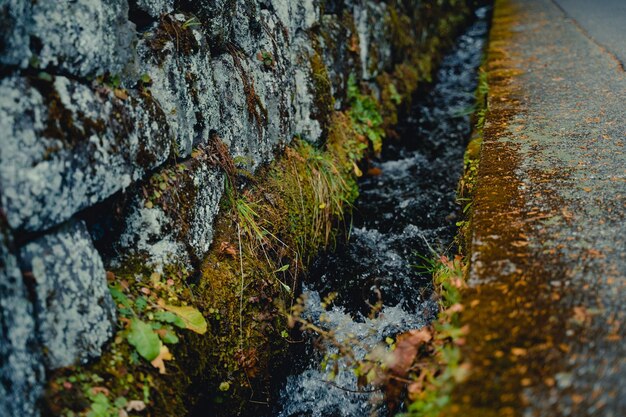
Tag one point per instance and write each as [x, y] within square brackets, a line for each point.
[315, 392]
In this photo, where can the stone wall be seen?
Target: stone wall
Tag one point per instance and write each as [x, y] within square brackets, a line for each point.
[97, 96]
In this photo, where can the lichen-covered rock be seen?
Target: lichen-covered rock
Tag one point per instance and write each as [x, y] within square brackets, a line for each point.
[176, 226]
[66, 146]
[216, 17]
[304, 96]
[81, 37]
[177, 60]
[205, 206]
[299, 15]
[154, 8]
[21, 370]
[73, 306]
[372, 25]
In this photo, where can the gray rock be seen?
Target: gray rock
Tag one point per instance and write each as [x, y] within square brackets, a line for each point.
[154, 8]
[179, 226]
[80, 37]
[304, 98]
[209, 185]
[21, 369]
[73, 307]
[374, 37]
[178, 62]
[217, 17]
[66, 146]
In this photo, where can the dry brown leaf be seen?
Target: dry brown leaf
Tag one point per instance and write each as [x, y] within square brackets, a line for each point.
[135, 405]
[159, 361]
[228, 249]
[100, 390]
[518, 351]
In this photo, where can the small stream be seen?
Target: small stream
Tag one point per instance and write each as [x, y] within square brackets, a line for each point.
[407, 208]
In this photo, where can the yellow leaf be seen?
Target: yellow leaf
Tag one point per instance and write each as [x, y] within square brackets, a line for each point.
[121, 94]
[357, 170]
[164, 355]
[194, 320]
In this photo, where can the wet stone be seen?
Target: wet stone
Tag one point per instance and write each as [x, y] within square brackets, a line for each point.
[66, 146]
[73, 307]
[83, 37]
[21, 369]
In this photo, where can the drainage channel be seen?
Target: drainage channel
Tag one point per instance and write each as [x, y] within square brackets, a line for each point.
[406, 209]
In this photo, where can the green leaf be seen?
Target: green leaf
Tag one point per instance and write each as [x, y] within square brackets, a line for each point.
[141, 303]
[194, 320]
[170, 337]
[99, 406]
[142, 337]
[282, 268]
[120, 402]
[168, 317]
[120, 297]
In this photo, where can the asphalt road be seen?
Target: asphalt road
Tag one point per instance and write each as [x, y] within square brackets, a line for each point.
[604, 21]
[547, 281]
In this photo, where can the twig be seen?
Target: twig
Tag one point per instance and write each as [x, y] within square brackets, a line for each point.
[242, 286]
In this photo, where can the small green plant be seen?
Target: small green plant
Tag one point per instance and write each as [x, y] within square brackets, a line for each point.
[102, 402]
[112, 81]
[149, 321]
[168, 179]
[267, 58]
[395, 96]
[431, 388]
[365, 114]
[191, 22]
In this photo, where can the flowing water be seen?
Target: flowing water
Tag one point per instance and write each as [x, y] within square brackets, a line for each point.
[407, 209]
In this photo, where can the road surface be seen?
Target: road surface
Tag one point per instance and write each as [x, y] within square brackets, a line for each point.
[546, 307]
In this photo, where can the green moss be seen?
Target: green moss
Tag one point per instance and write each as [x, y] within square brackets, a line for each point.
[467, 184]
[324, 100]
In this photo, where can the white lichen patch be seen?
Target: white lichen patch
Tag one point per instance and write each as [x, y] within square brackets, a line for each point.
[83, 37]
[21, 370]
[69, 149]
[73, 307]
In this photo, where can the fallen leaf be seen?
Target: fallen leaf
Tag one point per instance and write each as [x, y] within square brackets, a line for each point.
[159, 361]
[228, 249]
[518, 351]
[407, 345]
[120, 93]
[100, 390]
[194, 320]
[135, 405]
[375, 171]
